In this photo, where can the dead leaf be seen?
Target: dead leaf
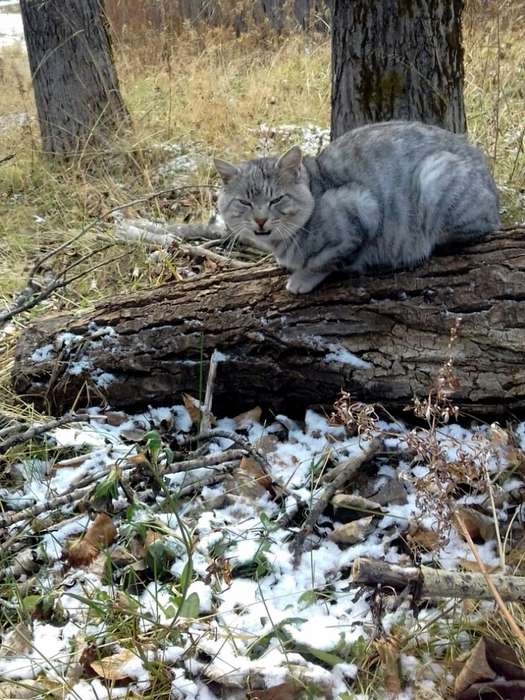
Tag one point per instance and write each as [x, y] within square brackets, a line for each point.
[81, 553]
[267, 444]
[251, 416]
[423, 692]
[422, 538]
[476, 669]
[498, 435]
[353, 532]
[389, 655]
[490, 660]
[494, 690]
[29, 689]
[283, 691]
[504, 660]
[251, 479]
[115, 418]
[473, 566]
[193, 408]
[151, 537]
[18, 641]
[101, 533]
[478, 525]
[116, 667]
[350, 502]
[516, 460]
[392, 493]
[139, 460]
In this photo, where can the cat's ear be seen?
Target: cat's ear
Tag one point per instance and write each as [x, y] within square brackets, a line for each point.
[291, 161]
[226, 170]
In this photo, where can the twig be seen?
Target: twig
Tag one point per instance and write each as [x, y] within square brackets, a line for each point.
[237, 440]
[213, 459]
[200, 251]
[162, 235]
[213, 478]
[5, 159]
[33, 294]
[38, 430]
[38, 508]
[208, 397]
[32, 299]
[346, 472]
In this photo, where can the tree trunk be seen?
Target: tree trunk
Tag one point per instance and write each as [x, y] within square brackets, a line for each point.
[74, 79]
[397, 59]
[382, 337]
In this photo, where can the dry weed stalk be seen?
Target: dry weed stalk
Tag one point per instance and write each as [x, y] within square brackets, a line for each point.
[357, 417]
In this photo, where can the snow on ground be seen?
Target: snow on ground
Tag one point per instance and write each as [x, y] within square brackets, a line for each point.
[11, 28]
[253, 615]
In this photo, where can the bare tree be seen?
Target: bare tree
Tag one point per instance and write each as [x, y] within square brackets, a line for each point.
[76, 87]
[394, 59]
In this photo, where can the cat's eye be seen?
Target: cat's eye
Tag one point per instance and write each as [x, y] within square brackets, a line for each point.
[277, 199]
[245, 202]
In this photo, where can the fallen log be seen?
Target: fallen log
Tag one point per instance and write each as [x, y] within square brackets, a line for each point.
[383, 337]
[436, 583]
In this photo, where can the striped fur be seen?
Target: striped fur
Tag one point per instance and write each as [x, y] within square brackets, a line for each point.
[381, 195]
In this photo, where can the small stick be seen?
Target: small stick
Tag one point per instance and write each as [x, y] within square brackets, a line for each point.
[346, 471]
[253, 452]
[214, 478]
[212, 460]
[35, 430]
[51, 504]
[208, 398]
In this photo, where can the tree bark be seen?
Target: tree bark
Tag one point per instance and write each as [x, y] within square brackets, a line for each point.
[397, 59]
[74, 79]
[382, 337]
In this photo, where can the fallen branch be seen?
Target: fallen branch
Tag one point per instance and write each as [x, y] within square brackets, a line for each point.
[212, 460]
[163, 235]
[32, 511]
[436, 583]
[345, 473]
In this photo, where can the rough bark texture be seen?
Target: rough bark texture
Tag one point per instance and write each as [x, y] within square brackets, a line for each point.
[383, 337]
[74, 79]
[397, 59]
[435, 583]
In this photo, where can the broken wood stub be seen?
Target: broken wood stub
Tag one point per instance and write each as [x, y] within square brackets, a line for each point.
[383, 337]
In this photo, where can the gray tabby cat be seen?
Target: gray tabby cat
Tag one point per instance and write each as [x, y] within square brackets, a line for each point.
[381, 195]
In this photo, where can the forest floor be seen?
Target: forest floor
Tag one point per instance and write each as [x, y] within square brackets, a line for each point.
[194, 590]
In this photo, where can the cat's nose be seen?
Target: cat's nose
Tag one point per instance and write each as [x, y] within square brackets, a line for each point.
[260, 223]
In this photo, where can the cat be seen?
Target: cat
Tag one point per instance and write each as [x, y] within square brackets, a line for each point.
[383, 195]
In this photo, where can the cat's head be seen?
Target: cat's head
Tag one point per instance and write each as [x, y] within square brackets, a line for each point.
[266, 198]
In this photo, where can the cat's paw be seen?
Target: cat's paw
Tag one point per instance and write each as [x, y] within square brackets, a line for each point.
[302, 281]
